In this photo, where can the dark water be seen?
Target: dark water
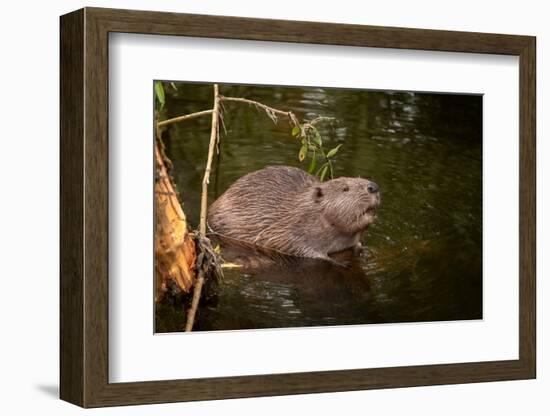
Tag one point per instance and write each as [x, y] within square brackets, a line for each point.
[423, 255]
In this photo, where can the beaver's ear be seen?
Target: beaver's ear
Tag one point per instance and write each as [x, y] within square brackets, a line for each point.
[317, 193]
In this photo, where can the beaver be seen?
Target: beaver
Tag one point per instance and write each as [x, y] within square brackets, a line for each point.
[285, 209]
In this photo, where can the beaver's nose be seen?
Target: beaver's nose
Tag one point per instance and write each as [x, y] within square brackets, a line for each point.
[372, 187]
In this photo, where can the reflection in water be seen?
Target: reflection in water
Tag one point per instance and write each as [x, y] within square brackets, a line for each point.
[423, 255]
[295, 293]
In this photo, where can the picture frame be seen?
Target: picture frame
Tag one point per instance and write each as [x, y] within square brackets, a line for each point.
[84, 216]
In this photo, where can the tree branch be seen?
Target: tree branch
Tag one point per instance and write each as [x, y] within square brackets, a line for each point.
[270, 111]
[214, 136]
[195, 302]
[183, 118]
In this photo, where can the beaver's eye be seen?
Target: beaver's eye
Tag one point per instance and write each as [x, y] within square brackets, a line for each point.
[346, 189]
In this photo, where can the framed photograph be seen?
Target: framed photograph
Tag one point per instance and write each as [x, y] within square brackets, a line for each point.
[255, 207]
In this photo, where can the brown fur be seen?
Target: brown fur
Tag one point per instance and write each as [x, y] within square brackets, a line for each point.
[285, 209]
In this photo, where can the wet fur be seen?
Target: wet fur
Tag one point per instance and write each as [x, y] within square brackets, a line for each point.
[286, 209]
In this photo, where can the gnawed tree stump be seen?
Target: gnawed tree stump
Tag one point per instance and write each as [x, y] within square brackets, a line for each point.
[175, 253]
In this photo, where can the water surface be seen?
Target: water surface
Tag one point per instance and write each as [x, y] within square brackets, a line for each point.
[423, 260]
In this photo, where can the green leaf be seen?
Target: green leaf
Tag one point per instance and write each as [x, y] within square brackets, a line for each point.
[303, 152]
[333, 152]
[317, 138]
[312, 164]
[296, 130]
[324, 171]
[321, 168]
[159, 91]
[174, 86]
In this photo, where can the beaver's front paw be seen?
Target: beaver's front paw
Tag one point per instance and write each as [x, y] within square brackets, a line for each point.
[358, 249]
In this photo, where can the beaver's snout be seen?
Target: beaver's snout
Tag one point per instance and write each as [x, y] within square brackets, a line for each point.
[373, 187]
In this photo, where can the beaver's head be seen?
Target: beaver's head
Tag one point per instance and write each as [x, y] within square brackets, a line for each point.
[349, 204]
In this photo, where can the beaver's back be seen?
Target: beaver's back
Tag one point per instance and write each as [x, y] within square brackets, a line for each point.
[257, 201]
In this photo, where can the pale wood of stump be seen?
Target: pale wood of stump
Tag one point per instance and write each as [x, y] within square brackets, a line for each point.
[174, 246]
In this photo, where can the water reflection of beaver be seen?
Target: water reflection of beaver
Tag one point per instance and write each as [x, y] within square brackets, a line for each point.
[285, 209]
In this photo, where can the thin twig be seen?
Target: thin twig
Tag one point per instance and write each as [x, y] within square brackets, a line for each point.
[184, 117]
[270, 111]
[195, 302]
[320, 119]
[214, 136]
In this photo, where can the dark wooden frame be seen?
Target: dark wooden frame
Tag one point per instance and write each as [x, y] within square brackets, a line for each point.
[84, 207]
